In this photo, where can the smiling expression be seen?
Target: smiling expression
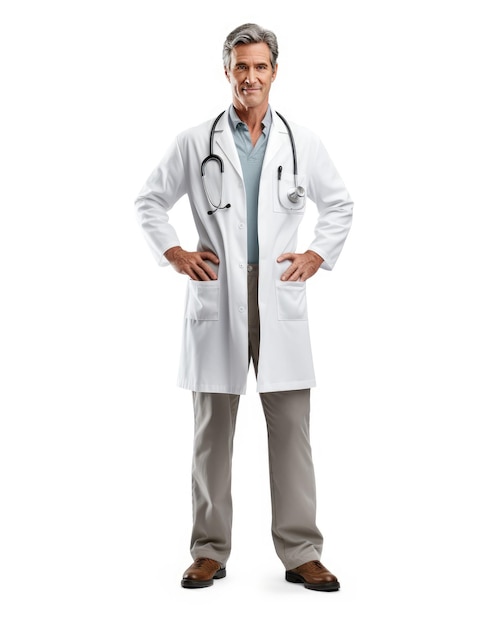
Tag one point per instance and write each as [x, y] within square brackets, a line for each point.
[250, 75]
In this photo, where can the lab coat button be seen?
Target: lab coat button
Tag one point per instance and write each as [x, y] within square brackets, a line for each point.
[241, 266]
[240, 225]
[241, 309]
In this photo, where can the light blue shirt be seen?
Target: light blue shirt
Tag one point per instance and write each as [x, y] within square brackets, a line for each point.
[251, 160]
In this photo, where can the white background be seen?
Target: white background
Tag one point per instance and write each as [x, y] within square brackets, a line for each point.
[95, 436]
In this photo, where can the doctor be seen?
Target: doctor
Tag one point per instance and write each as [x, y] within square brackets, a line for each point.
[246, 300]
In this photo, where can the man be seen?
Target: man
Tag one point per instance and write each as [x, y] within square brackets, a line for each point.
[247, 176]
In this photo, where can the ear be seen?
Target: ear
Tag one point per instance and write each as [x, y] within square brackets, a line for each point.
[227, 74]
[274, 75]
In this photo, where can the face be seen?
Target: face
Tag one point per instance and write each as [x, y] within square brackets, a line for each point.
[250, 75]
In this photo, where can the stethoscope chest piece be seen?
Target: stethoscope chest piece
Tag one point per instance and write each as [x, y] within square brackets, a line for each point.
[296, 194]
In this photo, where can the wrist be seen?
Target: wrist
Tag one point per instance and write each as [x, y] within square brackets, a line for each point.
[316, 256]
[172, 253]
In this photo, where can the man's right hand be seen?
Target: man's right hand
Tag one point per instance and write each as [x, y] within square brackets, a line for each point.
[192, 263]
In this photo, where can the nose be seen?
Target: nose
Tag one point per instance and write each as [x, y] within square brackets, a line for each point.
[250, 76]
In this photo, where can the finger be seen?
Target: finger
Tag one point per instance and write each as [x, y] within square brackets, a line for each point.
[209, 272]
[200, 273]
[210, 256]
[289, 273]
[289, 256]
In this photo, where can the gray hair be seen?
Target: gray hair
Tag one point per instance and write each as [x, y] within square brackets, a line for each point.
[250, 33]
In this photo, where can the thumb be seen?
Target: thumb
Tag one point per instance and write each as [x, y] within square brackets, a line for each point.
[285, 257]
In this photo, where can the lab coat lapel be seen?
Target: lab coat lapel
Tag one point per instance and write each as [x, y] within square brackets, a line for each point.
[278, 134]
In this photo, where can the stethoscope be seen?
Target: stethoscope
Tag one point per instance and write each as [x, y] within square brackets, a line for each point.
[294, 195]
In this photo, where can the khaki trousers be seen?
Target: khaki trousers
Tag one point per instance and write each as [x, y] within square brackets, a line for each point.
[292, 481]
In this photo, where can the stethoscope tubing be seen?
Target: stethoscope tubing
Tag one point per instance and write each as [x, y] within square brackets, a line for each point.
[293, 195]
[211, 156]
[293, 146]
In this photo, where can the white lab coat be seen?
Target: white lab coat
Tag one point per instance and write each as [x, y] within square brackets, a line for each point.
[214, 356]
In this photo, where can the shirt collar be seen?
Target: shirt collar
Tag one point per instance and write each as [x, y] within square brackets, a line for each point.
[235, 120]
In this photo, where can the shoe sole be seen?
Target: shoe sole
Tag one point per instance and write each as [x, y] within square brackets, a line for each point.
[187, 583]
[292, 577]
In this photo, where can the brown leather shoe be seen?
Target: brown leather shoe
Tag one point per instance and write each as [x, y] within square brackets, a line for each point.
[314, 576]
[201, 573]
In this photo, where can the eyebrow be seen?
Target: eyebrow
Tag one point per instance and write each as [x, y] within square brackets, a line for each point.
[247, 63]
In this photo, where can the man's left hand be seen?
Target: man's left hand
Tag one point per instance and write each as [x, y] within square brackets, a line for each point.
[302, 267]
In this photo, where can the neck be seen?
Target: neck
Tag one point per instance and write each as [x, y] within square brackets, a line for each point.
[251, 116]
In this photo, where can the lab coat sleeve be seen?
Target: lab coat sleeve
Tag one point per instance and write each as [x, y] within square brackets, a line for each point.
[165, 185]
[335, 208]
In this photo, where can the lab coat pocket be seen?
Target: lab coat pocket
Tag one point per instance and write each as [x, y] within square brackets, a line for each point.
[202, 300]
[291, 301]
[281, 202]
